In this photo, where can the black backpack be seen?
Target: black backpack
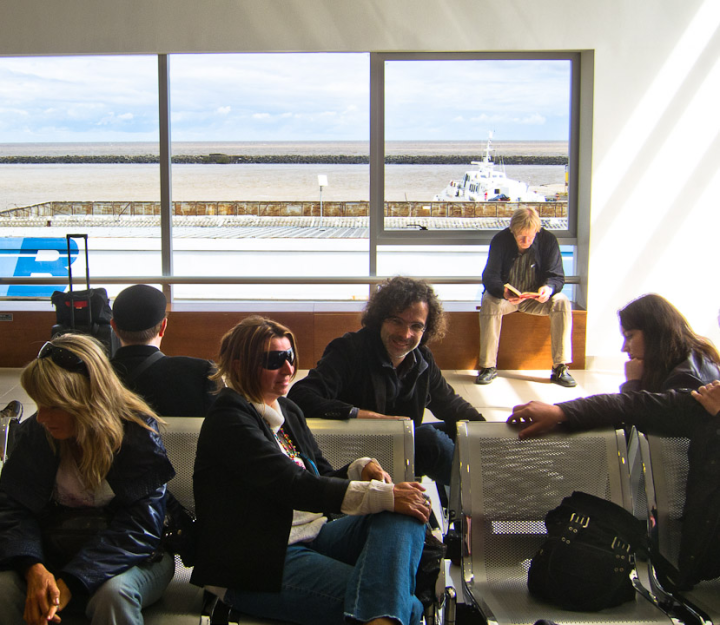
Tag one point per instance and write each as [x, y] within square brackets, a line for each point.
[585, 563]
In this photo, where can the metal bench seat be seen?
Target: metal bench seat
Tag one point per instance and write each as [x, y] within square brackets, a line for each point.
[506, 487]
[664, 465]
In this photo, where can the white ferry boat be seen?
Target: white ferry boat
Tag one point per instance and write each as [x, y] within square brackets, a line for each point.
[487, 184]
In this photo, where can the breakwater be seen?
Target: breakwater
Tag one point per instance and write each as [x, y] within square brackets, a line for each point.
[279, 159]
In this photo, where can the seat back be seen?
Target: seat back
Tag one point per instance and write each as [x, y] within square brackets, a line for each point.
[182, 602]
[180, 437]
[665, 464]
[390, 441]
[507, 486]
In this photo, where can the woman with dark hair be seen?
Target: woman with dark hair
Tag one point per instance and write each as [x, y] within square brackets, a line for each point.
[664, 351]
[262, 492]
[82, 496]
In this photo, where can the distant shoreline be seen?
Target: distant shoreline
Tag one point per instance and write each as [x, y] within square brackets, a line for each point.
[280, 159]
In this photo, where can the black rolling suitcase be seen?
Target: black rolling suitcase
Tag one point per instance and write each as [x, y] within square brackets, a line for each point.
[84, 312]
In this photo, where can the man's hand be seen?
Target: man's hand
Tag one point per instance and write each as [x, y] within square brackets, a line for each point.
[369, 414]
[709, 397]
[511, 297]
[45, 596]
[545, 294]
[542, 418]
[373, 471]
[410, 499]
[634, 369]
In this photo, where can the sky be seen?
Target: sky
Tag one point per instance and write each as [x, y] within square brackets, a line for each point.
[280, 97]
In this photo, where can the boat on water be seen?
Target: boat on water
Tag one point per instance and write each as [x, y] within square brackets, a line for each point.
[487, 183]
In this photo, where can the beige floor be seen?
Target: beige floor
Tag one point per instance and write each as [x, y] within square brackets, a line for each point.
[495, 400]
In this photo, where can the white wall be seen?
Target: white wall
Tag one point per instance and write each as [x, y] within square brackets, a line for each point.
[656, 120]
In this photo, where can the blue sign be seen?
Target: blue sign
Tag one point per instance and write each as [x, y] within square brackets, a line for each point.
[34, 256]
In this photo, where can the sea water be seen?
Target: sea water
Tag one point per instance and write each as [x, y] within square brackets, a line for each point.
[28, 184]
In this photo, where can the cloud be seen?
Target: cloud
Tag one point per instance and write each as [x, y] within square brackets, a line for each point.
[292, 97]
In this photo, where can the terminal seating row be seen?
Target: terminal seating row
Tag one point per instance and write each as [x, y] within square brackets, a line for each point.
[502, 490]
[504, 487]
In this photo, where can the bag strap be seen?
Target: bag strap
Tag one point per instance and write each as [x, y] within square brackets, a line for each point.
[144, 365]
[613, 517]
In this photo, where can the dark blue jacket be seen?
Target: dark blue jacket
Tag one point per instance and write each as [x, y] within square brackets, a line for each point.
[504, 251]
[137, 476]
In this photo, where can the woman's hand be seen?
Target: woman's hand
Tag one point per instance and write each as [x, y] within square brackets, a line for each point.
[373, 471]
[634, 369]
[542, 418]
[45, 596]
[709, 397]
[410, 499]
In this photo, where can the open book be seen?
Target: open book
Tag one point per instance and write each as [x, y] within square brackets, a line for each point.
[525, 295]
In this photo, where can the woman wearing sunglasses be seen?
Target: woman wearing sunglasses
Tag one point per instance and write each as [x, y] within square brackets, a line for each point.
[262, 492]
[82, 496]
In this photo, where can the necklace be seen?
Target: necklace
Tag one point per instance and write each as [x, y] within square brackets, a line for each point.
[288, 447]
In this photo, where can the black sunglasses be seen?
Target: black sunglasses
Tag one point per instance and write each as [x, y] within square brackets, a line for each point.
[274, 360]
[63, 358]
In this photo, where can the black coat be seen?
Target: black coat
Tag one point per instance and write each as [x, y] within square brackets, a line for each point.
[674, 413]
[176, 386]
[355, 371]
[504, 251]
[246, 490]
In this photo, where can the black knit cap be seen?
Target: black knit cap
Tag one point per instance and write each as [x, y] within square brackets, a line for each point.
[139, 308]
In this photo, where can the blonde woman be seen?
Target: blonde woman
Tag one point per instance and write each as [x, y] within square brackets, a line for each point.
[90, 457]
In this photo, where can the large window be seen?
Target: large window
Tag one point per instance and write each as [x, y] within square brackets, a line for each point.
[488, 132]
[77, 135]
[294, 166]
[288, 136]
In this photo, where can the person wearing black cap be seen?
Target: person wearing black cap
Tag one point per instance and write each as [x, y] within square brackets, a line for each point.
[177, 386]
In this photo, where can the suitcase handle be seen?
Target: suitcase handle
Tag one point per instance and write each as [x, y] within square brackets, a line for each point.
[70, 278]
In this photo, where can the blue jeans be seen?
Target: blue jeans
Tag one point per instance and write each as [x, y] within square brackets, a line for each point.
[358, 568]
[434, 451]
[118, 601]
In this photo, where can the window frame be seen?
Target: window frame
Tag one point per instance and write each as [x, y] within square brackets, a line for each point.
[379, 234]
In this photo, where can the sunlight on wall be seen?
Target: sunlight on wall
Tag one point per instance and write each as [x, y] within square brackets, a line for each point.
[643, 122]
[655, 195]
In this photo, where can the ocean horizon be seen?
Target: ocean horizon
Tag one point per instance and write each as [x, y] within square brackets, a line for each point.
[254, 148]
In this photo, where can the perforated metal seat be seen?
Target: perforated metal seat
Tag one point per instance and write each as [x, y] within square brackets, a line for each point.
[391, 442]
[506, 488]
[182, 602]
[665, 464]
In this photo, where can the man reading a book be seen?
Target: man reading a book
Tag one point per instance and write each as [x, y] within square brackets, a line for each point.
[524, 272]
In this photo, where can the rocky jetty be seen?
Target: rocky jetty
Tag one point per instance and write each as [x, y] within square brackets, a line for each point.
[280, 159]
